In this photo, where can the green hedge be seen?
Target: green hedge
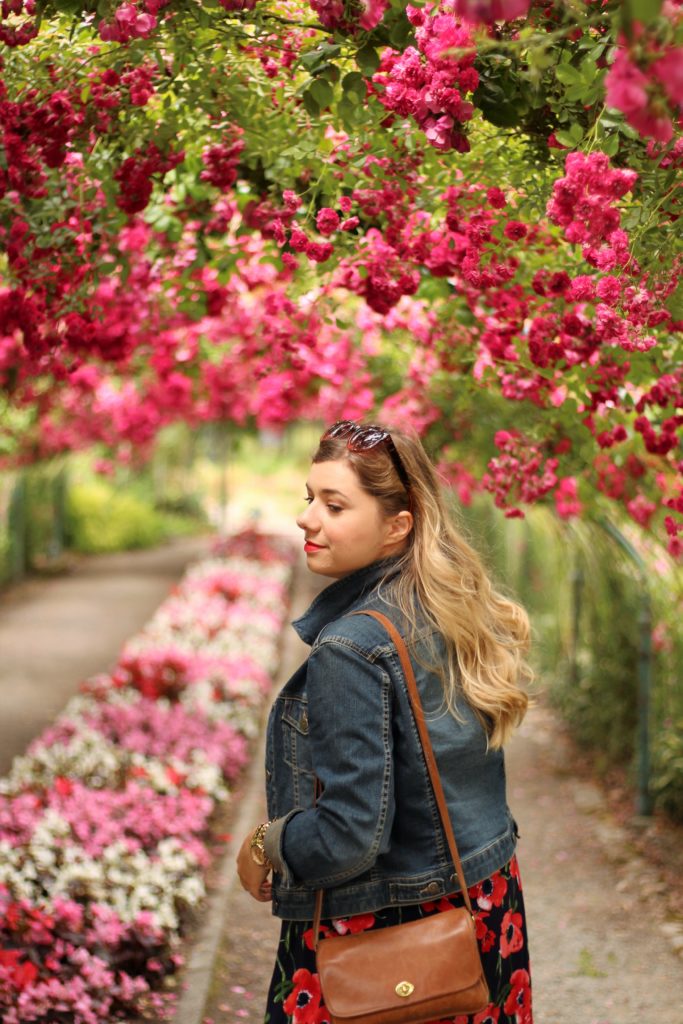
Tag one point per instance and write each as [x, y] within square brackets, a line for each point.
[101, 519]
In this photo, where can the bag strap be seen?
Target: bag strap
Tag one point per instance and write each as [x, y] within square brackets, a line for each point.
[430, 761]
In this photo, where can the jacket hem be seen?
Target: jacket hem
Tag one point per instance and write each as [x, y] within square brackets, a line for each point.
[370, 896]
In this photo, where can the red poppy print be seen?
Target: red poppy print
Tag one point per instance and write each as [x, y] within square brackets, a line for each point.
[518, 1003]
[353, 925]
[430, 906]
[491, 892]
[308, 936]
[485, 937]
[491, 1015]
[303, 1002]
[514, 872]
[512, 938]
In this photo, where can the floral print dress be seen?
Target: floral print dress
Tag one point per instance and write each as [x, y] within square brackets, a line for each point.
[295, 996]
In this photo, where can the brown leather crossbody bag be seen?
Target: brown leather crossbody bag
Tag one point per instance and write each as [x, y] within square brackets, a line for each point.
[422, 970]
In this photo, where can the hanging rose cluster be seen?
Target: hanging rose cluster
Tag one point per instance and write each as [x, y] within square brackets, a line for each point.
[428, 84]
[645, 82]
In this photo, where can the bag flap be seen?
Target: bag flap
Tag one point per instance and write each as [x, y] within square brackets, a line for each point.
[428, 958]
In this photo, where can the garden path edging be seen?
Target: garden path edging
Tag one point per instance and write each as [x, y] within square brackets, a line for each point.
[198, 973]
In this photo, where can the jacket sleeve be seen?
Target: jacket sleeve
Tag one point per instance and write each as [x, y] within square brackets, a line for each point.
[350, 732]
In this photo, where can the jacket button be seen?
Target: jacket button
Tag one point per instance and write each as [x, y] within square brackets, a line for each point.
[304, 723]
[269, 774]
[454, 879]
[433, 889]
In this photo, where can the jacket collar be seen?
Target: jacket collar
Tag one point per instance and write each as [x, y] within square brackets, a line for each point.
[335, 600]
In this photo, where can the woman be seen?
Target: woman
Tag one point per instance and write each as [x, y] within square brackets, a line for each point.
[376, 523]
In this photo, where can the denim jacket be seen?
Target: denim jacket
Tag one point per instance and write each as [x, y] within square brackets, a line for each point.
[374, 838]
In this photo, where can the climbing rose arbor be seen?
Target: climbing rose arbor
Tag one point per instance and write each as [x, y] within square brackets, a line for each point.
[465, 217]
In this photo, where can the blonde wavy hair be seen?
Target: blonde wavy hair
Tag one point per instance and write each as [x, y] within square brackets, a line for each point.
[486, 633]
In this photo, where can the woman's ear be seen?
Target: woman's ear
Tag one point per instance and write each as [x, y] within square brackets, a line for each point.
[399, 527]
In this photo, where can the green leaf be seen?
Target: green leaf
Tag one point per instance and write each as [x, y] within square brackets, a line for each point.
[354, 83]
[567, 74]
[610, 145]
[674, 303]
[400, 33]
[565, 138]
[322, 92]
[597, 51]
[347, 112]
[644, 10]
[310, 103]
[367, 60]
[313, 57]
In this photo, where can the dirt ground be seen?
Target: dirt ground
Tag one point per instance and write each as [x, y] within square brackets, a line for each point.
[604, 922]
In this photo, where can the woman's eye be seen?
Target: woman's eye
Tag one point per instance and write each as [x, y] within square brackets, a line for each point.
[334, 508]
[308, 499]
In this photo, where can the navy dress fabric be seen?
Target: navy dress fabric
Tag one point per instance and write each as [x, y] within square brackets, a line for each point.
[295, 996]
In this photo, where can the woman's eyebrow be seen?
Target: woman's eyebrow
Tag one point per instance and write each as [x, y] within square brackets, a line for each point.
[329, 490]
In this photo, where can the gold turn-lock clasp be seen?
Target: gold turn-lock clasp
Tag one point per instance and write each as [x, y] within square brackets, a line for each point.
[404, 989]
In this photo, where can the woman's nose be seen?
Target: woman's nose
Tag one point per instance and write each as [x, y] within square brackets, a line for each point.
[306, 521]
[302, 520]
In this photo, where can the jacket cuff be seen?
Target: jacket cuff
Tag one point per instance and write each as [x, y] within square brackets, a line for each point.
[272, 845]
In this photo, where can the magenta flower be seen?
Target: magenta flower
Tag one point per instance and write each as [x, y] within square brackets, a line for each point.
[327, 221]
[488, 11]
[628, 89]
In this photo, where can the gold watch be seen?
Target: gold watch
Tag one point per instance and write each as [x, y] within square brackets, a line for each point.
[258, 852]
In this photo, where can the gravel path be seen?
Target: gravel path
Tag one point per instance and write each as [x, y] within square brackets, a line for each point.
[599, 953]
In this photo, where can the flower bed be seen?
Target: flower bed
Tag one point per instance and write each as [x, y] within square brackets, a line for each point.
[104, 821]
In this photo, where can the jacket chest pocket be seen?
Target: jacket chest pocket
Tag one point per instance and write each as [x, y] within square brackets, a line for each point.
[297, 751]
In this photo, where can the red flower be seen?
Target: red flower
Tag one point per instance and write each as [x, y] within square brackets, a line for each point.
[23, 973]
[303, 1002]
[519, 1000]
[443, 904]
[327, 221]
[491, 892]
[63, 786]
[308, 935]
[355, 924]
[298, 240]
[566, 498]
[496, 197]
[514, 229]
[319, 252]
[485, 937]
[512, 939]
[488, 1016]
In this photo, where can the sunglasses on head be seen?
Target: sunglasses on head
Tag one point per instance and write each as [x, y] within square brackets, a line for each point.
[361, 438]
